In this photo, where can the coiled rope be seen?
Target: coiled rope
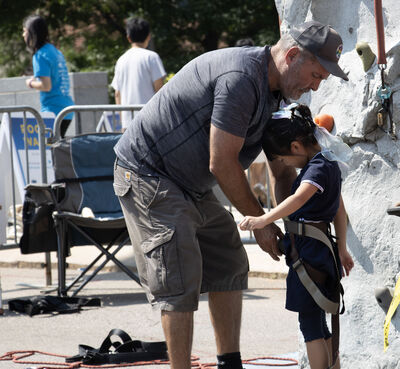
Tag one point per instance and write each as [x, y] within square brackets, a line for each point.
[18, 356]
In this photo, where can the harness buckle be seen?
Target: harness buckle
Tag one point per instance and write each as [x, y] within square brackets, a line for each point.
[300, 228]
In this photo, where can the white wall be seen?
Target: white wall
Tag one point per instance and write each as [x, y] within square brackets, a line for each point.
[372, 182]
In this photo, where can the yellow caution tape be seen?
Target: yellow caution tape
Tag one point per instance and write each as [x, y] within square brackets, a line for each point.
[392, 308]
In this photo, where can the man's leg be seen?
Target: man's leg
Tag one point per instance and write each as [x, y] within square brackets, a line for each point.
[168, 257]
[226, 312]
[178, 331]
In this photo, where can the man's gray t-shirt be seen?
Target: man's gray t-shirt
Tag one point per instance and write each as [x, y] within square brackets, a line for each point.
[170, 135]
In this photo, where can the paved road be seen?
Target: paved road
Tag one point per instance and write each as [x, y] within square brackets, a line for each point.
[267, 328]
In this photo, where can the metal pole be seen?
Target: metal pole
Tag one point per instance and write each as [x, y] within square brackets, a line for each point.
[87, 108]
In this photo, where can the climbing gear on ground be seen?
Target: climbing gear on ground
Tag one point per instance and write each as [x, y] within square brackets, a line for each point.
[310, 276]
[366, 54]
[52, 304]
[124, 350]
[20, 357]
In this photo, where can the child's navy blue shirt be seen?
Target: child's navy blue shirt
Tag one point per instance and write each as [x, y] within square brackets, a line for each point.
[322, 206]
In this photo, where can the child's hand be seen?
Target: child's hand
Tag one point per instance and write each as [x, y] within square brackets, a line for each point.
[347, 262]
[249, 223]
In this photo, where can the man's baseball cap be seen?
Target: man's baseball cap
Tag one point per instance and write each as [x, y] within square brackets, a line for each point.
[323, 42]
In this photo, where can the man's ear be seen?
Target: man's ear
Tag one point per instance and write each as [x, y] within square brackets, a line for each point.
[292, 54]
[129, 39]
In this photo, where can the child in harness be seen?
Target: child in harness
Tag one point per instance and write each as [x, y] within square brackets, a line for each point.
[315, 260]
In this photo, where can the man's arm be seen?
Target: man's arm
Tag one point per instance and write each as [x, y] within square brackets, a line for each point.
[158, 83]
[117, 97]
[225, 166]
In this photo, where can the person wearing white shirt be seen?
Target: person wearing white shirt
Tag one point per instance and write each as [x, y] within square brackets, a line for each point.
[139, 73]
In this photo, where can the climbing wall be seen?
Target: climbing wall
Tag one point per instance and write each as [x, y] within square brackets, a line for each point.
[372, 180]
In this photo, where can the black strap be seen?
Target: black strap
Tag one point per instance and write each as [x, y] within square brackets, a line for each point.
[52, 304]
[84, 179]
[115, 352]
[320, 277]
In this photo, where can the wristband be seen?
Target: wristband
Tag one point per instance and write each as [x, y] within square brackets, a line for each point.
[30, 83]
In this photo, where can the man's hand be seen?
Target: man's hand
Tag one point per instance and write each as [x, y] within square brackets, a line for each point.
[267, 239]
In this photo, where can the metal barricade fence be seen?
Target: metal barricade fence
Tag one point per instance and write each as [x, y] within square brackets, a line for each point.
[13, 241]
[13, 224]
[79, 125]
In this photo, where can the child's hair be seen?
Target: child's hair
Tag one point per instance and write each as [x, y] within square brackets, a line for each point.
[280, 133]
[38, 33]
[137, 29]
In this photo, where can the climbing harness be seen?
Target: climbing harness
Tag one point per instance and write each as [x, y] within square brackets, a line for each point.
[310, 276]
[123, 350]
[52, 304]
[384, 92]
[304, 270]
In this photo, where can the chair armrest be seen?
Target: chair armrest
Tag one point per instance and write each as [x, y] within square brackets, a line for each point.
[38, 187]
[41, 193]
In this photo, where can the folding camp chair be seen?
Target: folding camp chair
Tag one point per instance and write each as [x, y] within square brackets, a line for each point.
[83, 168]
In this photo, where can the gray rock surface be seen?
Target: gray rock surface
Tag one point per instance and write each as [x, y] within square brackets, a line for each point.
[371, 181]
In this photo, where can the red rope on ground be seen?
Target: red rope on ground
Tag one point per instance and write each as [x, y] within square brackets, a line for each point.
[291, 361]
[16, 356]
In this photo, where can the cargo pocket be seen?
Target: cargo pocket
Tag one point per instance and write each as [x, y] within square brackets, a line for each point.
[148, 189]
[163, 269]
[121, 189]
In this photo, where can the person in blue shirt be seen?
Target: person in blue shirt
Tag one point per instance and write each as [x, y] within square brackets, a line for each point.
[50, 73]
[316, 200]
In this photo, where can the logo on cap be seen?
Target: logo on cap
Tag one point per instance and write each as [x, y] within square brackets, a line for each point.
[339, 51]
